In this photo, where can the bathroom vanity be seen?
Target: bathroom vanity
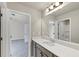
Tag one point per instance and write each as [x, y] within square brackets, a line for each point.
[41, 51]
[45, 48]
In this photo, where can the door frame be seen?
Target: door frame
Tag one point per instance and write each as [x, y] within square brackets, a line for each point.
[3, 6]
[69, 27]
[29, 45]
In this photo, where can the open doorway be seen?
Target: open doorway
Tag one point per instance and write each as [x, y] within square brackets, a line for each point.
[19, 26]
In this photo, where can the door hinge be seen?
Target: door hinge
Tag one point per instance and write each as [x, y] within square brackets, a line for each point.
[0, 14]
[0, 38]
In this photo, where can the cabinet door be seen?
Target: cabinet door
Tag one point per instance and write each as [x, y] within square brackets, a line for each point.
[38, 52]
[33, 49]
[42, 52]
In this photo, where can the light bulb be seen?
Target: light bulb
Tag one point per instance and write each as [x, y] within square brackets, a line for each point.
[51, 7]
[57, 4]
[47, 10]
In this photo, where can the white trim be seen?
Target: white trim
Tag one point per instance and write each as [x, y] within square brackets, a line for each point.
[30, 38]
[29, 45]
[4, 30]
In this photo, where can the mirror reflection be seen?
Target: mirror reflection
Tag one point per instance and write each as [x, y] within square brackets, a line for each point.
[64, 30]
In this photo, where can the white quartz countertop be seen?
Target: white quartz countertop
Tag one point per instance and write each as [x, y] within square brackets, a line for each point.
[57, 49]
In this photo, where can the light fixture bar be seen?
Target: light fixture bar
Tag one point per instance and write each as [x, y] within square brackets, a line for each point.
[57, 3]
[51, 7]
[55, 7]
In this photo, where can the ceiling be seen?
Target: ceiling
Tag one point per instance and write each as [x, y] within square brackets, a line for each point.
[36, 5]
[42, 5]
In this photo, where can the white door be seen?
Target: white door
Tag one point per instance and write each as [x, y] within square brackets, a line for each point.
[19, 34]
[26, 32]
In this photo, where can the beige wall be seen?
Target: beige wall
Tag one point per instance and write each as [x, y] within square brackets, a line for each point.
[74, 16]
[35, 16]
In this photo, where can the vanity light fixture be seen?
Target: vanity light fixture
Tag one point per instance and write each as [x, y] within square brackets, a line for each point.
[47, 10]
[51, 7]
[57, 3]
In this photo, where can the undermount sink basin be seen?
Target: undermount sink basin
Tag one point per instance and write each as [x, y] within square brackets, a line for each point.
[48, 43]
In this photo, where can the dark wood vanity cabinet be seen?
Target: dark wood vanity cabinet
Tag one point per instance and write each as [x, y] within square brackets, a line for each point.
[39, 51]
